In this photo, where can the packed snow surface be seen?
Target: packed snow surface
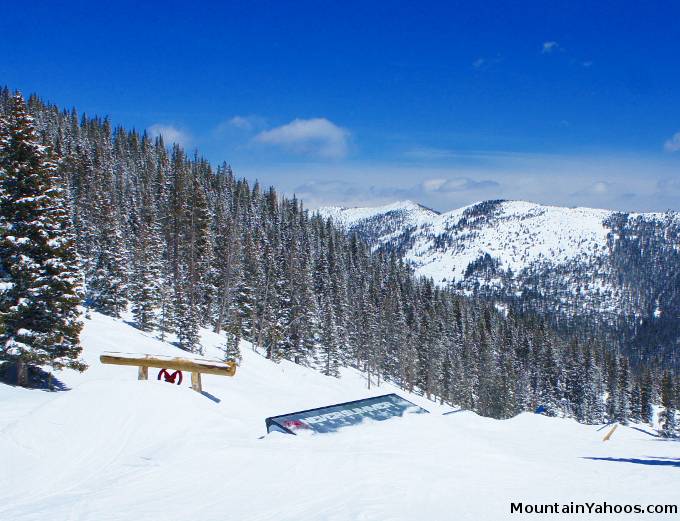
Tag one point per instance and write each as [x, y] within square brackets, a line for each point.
[114, 448]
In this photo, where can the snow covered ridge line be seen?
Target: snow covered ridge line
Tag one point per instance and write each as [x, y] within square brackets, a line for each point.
[515, 235]
[412, 212]
[350, 216]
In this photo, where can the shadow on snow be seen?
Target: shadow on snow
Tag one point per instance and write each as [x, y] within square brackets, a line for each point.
[654, 461]
[38, 378]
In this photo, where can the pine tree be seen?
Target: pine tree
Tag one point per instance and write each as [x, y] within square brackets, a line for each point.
[646, 399]
[636, 403]
[669, 423]
[594, 406]
[232, 349]
[624, 393]
[329, 341]
[41, 291]
[613, 388]
[146, 278]
[244, 299]
[227, 268]
[186, 319]
[548, 389]
[107, 282]
[306, 320]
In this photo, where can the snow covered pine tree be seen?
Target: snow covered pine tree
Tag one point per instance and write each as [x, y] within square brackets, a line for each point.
[40, 294]
[667, 417]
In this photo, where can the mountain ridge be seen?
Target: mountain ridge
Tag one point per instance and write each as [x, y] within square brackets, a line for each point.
[588, 223]
[617, 270]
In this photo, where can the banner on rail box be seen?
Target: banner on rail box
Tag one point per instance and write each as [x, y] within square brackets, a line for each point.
[333, 417]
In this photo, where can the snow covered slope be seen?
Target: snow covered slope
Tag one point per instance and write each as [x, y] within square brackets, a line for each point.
[604, 268]
[114, 448]
[517, 234]
[380, 222]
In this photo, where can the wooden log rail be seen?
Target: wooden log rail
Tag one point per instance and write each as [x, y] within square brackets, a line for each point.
[195, 366]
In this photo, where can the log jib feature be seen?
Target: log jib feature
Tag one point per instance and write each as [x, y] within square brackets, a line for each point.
[169, 362]
[192, 365]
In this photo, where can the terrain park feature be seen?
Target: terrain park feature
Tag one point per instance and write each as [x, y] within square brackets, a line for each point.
[165, 363]
[333, 417]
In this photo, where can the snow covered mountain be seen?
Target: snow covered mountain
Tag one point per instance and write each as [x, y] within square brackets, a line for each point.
[381, 222]
[593, 266]
[115, 448]
[516, 234]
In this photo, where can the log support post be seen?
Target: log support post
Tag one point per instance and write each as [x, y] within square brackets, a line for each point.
[609, 434]
[22, 374]
[196, 382]
[143, 373]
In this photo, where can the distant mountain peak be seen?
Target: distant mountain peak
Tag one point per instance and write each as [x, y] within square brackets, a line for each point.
[380, 221]
[360, 211]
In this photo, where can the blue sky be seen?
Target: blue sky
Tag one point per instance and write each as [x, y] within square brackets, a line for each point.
[570, 103]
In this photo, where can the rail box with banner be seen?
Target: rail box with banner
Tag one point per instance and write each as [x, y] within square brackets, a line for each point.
[333, 417]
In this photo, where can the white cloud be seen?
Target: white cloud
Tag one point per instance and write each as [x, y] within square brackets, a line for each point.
[456, 184]
[669, 187]
[596, 189]
[170, 133]
[317, 137]
[241, 122]
[672, 144]
[481, 64]
[549, 47]
[599, 187]
[621, 182]
[248, 123]
[432, 185]
[429, 153]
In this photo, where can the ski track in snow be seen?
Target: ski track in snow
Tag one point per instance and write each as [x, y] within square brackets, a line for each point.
[114, 448]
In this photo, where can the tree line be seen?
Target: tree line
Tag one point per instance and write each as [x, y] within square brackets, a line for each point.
[144, 227]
